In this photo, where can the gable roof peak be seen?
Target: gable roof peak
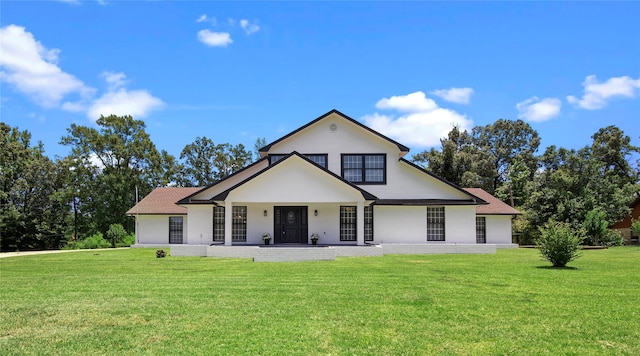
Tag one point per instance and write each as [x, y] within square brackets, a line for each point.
[403, 149]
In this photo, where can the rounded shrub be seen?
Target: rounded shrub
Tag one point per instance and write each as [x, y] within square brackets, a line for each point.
[558, 243]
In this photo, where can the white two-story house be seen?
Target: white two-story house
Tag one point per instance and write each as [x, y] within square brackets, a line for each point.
[333, 177]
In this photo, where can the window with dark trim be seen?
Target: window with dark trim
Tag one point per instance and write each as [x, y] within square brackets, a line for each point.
[239, 224]
[481, 230]
[348, 223]
[364, 168]
[175, 229]
[218, 223]
[320, 159]
[435, 223]
[275, 158]
[368, 223]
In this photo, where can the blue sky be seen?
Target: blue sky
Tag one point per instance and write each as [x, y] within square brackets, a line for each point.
[241, 70]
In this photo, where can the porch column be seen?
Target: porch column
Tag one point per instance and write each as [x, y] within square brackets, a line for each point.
[360, 223]
[228, 222]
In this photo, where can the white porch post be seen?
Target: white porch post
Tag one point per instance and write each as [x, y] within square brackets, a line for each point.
[228, 221]
[360, 223]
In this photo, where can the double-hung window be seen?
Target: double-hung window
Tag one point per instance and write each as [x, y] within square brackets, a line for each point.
[175, 229]
[364, 168]
[481, 230]
[239, 224]
[435, 223]
[348, 223]
[218, 223]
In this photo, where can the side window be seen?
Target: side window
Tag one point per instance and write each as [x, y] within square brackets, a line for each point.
[435, 223]
[175, 229]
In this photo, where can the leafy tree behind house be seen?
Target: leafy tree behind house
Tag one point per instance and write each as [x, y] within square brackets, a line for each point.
[204, 162]
[115, 159]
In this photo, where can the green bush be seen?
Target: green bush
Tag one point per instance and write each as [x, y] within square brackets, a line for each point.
[558, 244]
[595, 224]
[91, 242]
[116, 234]
[611, 238]
[127, 241]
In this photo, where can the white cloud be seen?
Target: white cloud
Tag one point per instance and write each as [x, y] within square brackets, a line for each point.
[118, 100]
[414, 102]
[455, 95]
[33, 69]
[214, 39]
[423, 123]
[249, 28]
[114, 80]
[597, 95]
[536, 110]
[137, 103]
[202, 18]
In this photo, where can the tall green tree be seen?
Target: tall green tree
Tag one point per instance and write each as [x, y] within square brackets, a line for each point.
[204, 162]
[504, 141]
[115, 158]
[31, 216]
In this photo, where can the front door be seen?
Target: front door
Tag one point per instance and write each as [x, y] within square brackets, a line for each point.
[290, 224]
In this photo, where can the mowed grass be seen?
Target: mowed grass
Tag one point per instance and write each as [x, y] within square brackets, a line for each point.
[130, 302]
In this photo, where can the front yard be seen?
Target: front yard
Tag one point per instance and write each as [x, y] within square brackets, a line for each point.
[130, 302]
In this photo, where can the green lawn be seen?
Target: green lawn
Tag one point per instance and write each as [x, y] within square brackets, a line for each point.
[130, 302]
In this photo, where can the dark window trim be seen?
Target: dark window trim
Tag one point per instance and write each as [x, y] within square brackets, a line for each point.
[325, 155]
[444, 232]
[181, 231]
[368, 225]
[275, 157]
[353, 226]
[239, 223]
[217, 223]
[364, 169]
[481, 233]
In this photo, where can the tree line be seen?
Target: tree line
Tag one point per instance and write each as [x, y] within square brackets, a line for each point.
[589, 188]
[47, 203]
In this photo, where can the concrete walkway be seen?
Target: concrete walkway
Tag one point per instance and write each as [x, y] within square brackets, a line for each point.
[29, 253]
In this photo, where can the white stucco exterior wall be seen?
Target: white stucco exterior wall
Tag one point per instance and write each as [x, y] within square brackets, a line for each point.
[154, 229]
[460, 224]
[200, 225]
[498, 229]
[400, 224]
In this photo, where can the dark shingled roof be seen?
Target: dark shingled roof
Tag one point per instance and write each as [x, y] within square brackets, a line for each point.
[495, 206]
[162, 201]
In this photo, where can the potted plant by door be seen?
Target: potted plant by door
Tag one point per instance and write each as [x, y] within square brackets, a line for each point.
[266, 238]
[314, 238]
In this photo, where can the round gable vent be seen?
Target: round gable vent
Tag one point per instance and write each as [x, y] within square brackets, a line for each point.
[333, 127]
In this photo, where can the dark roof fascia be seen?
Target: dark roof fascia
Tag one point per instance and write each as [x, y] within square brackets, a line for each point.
[479, 201]
[424, 202]
[400, 146]
[187, 199]
[366, 195]
[496, 214]
[635, 202]
[172, 214]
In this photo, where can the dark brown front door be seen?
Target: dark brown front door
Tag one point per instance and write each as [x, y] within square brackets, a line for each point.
[290, 224]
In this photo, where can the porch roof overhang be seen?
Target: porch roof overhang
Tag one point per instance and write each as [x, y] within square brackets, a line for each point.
[307, 165]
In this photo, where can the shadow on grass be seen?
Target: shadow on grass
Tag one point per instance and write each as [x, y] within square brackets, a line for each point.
[569, 268]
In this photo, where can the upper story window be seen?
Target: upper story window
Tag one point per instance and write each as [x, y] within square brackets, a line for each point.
[364, 168]
[320, 159]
